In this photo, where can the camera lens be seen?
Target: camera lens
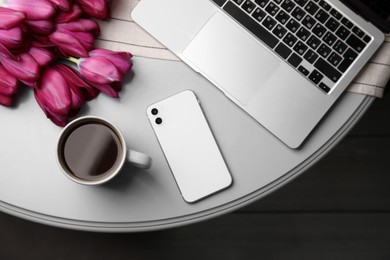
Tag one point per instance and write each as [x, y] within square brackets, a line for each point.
[154, 111]
[158, 120]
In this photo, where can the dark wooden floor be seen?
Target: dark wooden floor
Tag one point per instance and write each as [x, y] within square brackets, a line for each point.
[339, 209]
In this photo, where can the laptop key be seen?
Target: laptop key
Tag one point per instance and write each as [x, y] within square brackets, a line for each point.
[347, 23]
[269, 23]
[219, 2]
[324, 87]
[239, 2]
[290, 39]
[294, 60]
[358, 32]
[293, 25]
[258, 30]
[322, 16]
[262, 3]
[303, 34]
[329, 38]
[308, 21]
[332, 24]
[310, 56]
[340, 47]
[259, 14]
[248, 6]
[298, 13]
[282, 17]
[300, 48]
[313, 42]
[303, 70]
[301, 2]
[356, 44]
[349, 57]
[311, 8]
[279, 31]
[336, 14]
[283, 50]
[272, 8]
[319, 30]
[324, 50]
[288, 5]
[343, 32]
[315, 77]
[327, 69]
[334, 59]
[324, 5]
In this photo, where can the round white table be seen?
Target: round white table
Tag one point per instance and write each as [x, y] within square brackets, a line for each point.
[33, 187]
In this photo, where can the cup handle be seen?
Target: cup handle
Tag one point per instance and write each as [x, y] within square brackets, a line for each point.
[138, 159]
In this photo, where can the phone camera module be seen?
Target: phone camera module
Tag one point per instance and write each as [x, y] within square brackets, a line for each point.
[154, 111]
[159, 120]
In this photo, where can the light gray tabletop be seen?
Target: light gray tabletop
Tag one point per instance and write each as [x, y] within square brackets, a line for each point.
[33, 187]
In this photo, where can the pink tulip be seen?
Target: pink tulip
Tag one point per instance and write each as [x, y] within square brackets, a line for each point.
[42, 27]
[53, 94]
[12, 38]
[24, 67]
[74, 78]
[120, 59]
[8, 83]
[6, 100]
[34, 10]
[80, 25]
[95, 8]
[62, 93]
[75, 38]
[62, 4]
[67, 16]
[104, 66]
[43, 56]
[6, 54]
[10, 18]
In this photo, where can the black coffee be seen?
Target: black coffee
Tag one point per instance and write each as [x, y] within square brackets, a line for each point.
[92, 151]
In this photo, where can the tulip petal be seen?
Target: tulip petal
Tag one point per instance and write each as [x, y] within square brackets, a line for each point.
[10, 18]
[120, 59]
[99, 70]
[6, 101]
[95, 8]
[75, 79]
[60, 120]
[68, 44]
[6, 54]
[65, 17]
[34, 10]
[11, 38]
[41, 55]
[62, 4]
[43, 27]
[81, 25]
[8, 83]
[26, 68]
[106, 89]
[54, 92]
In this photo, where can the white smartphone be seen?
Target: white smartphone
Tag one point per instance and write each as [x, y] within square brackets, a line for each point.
[189, 146]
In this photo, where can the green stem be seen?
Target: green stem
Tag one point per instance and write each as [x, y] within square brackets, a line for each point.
[73, 59]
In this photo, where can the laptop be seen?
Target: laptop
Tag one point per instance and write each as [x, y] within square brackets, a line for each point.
[284, 62]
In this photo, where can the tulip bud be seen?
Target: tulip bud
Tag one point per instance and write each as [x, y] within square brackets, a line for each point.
[95, 8]
[53, 92]
[10, 18]
[8, 83]
[11, 38]
[42, 56]
[73, 14]
[34, 10]
[64, 5]
[23, 68]
[6, 100]
[42, 27]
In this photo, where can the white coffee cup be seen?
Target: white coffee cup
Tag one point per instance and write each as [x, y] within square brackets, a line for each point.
[92, 151]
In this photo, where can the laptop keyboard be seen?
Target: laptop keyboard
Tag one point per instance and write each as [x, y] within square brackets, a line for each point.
[312, 36]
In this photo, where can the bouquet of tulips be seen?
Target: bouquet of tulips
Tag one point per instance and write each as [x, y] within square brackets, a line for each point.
[36, 36]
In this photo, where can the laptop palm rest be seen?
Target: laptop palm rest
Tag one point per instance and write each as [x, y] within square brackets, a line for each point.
[230, 58]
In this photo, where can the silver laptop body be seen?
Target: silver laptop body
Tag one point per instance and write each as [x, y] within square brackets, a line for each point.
[289, 101]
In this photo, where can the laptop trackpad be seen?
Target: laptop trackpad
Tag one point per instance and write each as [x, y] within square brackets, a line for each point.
[231, 58]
